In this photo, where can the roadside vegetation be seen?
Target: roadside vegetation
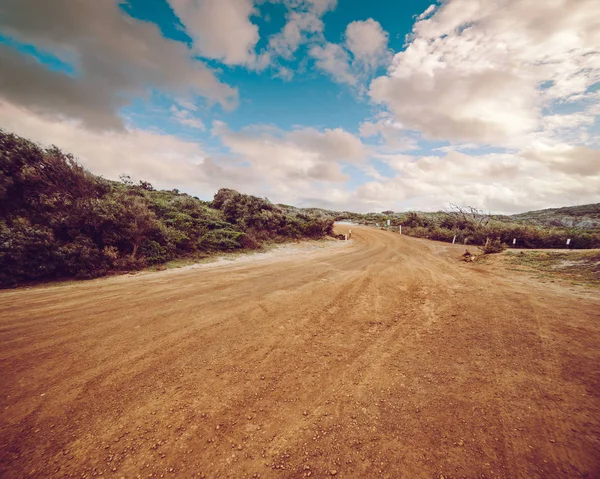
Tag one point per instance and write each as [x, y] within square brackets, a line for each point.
[57, 220]
[470, 226]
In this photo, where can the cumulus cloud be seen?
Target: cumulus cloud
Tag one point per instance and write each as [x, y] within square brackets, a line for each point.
[222, 30]
[368, 43]
[484, 71]
[354, 61]
[390, 132]
[499, 182]
[299, 155]
[115, 57]
[303, 23]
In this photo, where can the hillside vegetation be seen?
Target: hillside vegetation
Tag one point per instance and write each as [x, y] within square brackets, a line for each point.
[583, 216]
[57, 220]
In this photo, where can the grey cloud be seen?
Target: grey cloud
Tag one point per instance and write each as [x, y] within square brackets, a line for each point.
[25, 81]
[577, 160]
[116, 58]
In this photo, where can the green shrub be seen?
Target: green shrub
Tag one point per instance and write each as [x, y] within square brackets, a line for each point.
[221, 240]
[493, 246]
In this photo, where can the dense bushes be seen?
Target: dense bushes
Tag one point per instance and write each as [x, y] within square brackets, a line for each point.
[475, 229]
[59, 220]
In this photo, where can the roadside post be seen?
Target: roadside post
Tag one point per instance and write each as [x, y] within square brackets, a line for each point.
[568, 242]
[388, 222]
[514, 241]
[400, 229]
[454, 239]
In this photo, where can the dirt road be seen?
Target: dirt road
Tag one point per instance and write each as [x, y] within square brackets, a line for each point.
[386, 357]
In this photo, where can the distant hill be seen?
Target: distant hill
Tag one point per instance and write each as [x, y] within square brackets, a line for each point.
[583, 217]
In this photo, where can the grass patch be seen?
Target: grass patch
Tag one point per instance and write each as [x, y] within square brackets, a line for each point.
[579, 267]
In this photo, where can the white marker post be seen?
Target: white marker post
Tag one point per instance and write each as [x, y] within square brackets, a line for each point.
[514, 241]
[568, 241]
[377, 224]
[400, 229]
[388, 222]
[454, 239]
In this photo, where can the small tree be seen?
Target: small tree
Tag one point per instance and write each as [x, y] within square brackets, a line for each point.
[141, 222]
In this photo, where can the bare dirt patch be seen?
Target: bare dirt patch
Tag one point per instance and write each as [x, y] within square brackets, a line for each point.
[387, 357]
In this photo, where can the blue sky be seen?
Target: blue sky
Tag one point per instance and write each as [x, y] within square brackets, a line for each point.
[343, 104]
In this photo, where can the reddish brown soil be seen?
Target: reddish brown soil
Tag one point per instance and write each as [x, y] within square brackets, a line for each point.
[384, 358]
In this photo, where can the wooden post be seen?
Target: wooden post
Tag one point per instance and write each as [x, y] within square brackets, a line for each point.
[345, 237]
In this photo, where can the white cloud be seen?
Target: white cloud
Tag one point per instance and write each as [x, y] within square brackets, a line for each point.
[567, 121]
[501, 183]
[222, 30]
[484, 71]
[185, 117]
[301, 167]
[334, 60]
[303, 23]
[392, 133]
[354, 61]
[318, 6]
[298, 28]
[430, 9]
[367, 41]
[298, 155]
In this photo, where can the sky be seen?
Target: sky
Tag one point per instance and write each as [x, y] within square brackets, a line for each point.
[342, 104]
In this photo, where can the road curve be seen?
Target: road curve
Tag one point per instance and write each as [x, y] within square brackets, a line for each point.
[386, 357]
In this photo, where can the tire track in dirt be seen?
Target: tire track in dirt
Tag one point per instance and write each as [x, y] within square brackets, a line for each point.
[386, 357]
